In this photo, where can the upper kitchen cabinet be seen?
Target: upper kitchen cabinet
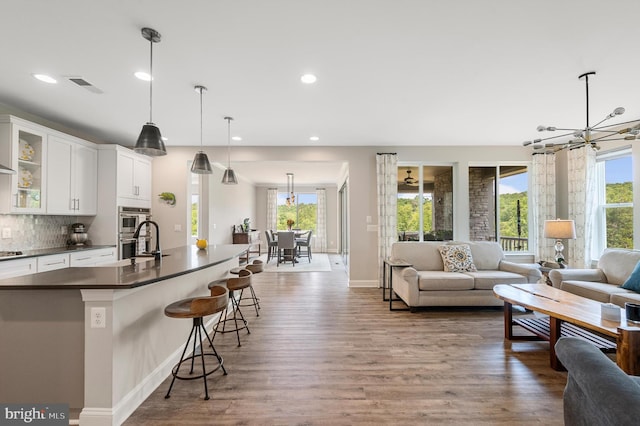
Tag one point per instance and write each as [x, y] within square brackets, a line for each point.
[72, 176]
[23, 148]
[129, 172]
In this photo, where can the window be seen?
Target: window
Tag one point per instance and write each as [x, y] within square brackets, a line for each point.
[304, 211]
[614, 219]
[194, 190]
[425, 203]
[498, 205]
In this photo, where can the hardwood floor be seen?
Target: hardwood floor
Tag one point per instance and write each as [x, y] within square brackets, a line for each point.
[321, 353]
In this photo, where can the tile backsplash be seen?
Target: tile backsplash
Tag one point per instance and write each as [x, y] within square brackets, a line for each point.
[31, 232]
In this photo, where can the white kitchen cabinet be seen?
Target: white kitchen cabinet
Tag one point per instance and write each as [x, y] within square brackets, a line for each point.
[18, 267]
[125, 178]
[134, 177]
[93, 257]
[23, 148]
[72, 177]
[52, 262]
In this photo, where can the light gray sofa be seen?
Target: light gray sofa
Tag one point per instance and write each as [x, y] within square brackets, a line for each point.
[598, 392]
[602, 283]
[427, 284]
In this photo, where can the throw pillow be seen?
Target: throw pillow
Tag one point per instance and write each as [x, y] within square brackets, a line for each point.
[633, 282]
[457, 258]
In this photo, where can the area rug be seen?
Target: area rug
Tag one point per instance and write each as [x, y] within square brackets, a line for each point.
[319, 263]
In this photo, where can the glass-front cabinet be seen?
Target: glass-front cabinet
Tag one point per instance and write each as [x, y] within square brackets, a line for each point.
[23, 149]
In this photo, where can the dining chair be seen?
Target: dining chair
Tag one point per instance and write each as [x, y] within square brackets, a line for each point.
[304, 242]
[286, 247]
[272, 245]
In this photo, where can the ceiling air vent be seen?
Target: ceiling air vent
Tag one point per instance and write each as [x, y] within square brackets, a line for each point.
[84, 84]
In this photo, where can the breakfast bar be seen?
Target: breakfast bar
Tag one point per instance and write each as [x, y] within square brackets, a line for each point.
[97, 338]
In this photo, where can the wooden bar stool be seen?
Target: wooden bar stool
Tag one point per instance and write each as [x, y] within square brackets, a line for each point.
[197, 308]
[233, 284]
[252, 300]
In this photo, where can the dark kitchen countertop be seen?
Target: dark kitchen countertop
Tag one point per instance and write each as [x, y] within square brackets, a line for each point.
[54, 250]
[178, 261]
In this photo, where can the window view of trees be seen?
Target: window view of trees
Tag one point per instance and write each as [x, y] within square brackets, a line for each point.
[618, 205]
[304, 212]
[195, 203]
[425, 203]
[614, 220]
[512, 207]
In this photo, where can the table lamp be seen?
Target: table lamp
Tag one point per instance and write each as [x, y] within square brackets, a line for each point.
[559, 229]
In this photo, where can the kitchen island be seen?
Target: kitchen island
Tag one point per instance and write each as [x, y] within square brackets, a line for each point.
[97, 338]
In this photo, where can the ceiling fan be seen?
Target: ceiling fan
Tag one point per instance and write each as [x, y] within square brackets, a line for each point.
[410, 180]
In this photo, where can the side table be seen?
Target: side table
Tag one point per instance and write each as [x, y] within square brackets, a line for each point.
[545, 272]
[388, 265]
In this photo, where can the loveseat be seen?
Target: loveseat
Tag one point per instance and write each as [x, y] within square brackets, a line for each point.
[598, 392]
[426, 283]
[602, 283]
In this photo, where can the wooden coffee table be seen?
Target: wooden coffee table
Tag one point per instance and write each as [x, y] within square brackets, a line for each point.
[569, 315]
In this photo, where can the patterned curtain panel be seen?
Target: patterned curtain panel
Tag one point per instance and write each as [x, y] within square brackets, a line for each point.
[582, 204]
[387, 178]
[543, 203]
[272, 208]
[321, 225]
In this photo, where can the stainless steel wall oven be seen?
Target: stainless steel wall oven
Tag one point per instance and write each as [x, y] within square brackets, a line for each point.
[128, 220]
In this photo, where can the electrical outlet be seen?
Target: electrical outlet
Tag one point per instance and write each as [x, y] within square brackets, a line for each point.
[63, 230]
[6, 233]
[98, 317]
[177, 228]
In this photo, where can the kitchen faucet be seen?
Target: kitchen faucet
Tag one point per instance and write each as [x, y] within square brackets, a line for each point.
[157, 254]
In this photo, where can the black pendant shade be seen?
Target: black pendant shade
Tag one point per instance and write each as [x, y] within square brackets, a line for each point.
[201, 164]
[229, 177]
[150, 141]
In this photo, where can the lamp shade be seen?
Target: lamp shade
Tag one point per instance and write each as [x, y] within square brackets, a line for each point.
[229, 177]
[559, 229]
[201, 164]
[150, 141]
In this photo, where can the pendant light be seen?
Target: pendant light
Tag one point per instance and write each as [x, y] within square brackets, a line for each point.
[201, 163]
[150, 140]
[291, 197]
[229, 177]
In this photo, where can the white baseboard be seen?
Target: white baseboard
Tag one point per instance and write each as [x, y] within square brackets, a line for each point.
[364, 283]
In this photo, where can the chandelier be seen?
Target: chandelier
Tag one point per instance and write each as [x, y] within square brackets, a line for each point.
[590, 135]
[291, 198]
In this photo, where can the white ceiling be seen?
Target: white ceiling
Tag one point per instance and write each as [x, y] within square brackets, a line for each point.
[390, 72]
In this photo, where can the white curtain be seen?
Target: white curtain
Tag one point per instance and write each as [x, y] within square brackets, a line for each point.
[272, 208]
[321, 226]
[543, 203]
[387, 179]
[582, 204]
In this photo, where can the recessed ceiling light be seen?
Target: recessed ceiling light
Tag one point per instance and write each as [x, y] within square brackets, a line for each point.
[45, 78]
[314, 138]
[236, 138]
[308, 79]
[143, 76]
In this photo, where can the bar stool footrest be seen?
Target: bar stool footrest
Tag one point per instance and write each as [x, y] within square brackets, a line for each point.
[196, 357]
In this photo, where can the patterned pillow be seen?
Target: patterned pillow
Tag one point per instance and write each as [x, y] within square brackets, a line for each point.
[457, 258]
